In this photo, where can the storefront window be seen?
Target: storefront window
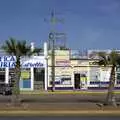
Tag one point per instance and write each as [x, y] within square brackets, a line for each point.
[39, 74]
[66, 80]
[62, 80]
[94, 74]
[118, 76]
[2, 74]
[118, 69]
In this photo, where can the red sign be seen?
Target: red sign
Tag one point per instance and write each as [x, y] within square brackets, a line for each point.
[62, 63]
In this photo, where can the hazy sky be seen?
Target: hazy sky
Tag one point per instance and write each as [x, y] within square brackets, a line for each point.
[89, 24]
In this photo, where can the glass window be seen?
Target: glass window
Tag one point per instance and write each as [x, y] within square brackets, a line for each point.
[94, 74]
[2, 74]
[39, 74]
[118, 69]
[118, 76]
[61, 80]
[2, 77]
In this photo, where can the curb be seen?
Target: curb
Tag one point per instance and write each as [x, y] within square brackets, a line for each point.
[60, 113]
[66, 92]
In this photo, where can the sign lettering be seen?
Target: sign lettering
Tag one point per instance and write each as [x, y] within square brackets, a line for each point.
[10, 61]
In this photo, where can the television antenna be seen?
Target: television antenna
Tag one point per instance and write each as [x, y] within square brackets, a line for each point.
[59, 37]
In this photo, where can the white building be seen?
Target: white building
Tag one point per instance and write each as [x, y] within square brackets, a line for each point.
[73, 70]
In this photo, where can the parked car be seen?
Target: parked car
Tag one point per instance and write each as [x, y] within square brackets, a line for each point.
[5, 89]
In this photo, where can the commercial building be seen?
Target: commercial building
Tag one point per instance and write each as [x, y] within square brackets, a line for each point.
[77, 70]
[74, 70]
[32, 70]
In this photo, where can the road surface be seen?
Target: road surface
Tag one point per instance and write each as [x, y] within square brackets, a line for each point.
[61, 118]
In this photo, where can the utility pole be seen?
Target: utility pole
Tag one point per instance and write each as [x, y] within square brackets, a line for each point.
[53, 36]
[52, 47]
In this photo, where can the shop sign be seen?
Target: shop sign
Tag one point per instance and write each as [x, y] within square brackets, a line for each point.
[26, 62]
[32, 64]
[25, 75]
[34, 61]
[62, 63]
[7, 61]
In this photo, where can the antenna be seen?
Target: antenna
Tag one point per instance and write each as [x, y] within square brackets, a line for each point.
[59, 37]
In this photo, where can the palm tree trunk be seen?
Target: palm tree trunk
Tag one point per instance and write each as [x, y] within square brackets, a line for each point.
[110, 99]
[16, 89]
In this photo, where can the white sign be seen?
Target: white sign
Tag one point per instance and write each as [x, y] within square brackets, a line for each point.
[26, 62]
[7, 61]
[34, 61]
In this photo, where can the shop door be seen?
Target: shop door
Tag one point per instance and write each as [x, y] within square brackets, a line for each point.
[77, 81]
[83, 81]
[39, 78]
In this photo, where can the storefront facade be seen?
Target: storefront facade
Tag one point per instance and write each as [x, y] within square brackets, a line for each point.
[28, 64]
[75, 73]
[33, 70]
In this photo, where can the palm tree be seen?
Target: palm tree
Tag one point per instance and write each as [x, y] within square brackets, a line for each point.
[17, 49]
[112, 60]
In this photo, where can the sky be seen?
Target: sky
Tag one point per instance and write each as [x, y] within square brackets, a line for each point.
[88, 24]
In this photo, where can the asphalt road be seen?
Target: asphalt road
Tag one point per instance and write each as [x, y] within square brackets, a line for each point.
[61, 118]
